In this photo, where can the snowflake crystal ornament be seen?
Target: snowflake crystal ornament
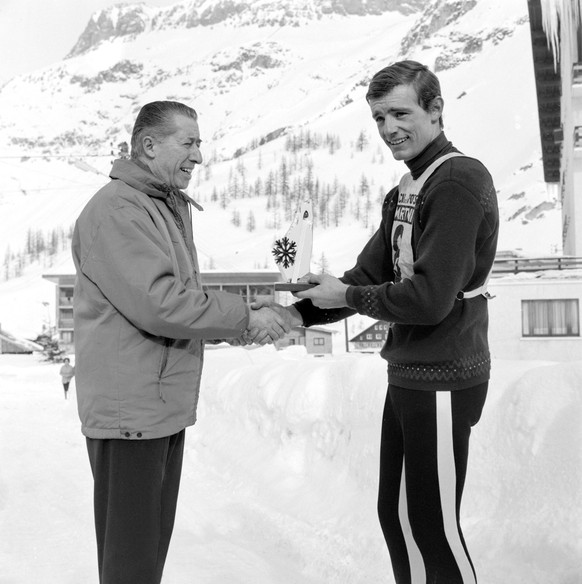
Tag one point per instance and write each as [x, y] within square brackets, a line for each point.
[293, 252]
[285, 252]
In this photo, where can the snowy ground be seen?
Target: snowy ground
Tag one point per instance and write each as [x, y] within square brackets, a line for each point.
[279, 480]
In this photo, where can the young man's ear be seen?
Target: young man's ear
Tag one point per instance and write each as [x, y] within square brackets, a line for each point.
[436, 107]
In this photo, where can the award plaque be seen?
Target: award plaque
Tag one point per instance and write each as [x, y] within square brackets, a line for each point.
[293, 251]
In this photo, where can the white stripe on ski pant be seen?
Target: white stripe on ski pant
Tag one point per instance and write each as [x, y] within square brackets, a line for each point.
[417, 569]
[448, 483]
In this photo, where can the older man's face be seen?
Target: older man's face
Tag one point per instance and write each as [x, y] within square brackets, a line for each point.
[176, 155]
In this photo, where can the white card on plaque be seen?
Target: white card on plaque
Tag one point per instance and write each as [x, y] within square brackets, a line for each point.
[293, 251]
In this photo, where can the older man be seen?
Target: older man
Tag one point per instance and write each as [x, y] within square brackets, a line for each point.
[424, 271]
[141, 318]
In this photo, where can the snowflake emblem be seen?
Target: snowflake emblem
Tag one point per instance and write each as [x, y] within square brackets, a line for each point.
[285, 251]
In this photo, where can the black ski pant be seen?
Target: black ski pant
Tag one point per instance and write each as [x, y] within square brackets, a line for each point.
[423, 463]
[136, 486]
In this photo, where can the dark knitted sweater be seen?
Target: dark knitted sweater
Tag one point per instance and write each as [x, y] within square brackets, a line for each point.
[435, 342]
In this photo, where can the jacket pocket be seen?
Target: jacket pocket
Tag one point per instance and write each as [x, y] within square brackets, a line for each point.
[162, 368]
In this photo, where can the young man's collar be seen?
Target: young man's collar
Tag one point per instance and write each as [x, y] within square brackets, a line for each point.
[417, 165]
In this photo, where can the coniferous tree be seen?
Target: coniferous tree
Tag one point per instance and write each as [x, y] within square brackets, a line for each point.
[362, 141]
[258, 187]
[251, 222]
[322, 264]
[7, 263]
[284, 187]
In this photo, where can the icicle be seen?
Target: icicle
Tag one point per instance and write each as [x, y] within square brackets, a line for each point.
[555, 12]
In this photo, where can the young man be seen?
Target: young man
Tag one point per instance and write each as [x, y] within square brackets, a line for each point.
[424, 271]
[141, 318]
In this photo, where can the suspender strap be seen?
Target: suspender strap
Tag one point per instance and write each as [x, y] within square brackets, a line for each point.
[479, 291]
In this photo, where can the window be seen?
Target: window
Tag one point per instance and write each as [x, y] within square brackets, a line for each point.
[67, 337]
[379, 336]
[319, 341]
[66, 295]
[550, 318]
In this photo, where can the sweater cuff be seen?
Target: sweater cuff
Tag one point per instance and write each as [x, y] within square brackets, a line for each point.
[352, 296]
[366, 300]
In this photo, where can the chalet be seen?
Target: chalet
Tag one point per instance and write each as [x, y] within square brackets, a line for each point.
[371, 339]
[317, 340]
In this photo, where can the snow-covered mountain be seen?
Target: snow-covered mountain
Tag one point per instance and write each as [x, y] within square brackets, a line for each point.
[279, 86]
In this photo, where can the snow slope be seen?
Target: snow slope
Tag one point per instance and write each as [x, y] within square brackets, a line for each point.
[280, 472]
[59, 124]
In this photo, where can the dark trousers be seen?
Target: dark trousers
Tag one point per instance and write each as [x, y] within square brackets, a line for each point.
[423, 464]
[136, 486]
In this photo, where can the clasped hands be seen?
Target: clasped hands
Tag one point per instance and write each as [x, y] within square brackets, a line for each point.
[270, 321]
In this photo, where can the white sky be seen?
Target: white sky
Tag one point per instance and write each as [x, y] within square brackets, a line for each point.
[36, 33]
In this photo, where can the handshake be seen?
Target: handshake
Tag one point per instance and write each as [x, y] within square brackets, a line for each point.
[268, 322]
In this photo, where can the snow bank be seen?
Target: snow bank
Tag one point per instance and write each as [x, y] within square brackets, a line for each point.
[305, 432]
[280, 475]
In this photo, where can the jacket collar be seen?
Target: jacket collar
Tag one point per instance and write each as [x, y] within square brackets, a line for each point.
[138, 176]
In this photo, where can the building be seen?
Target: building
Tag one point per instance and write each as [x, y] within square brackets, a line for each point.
[536, 316]
[248, 285]
[371, 339]
[556, 33]
[534, 313]
[317, 340]
[63, 306]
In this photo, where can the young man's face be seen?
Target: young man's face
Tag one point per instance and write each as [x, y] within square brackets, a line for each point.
[176, 155]
[404, 125]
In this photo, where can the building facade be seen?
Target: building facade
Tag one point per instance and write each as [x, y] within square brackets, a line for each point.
[316, 340]
[556, 30]
[536, 317]
[248, 285]
[372, 339]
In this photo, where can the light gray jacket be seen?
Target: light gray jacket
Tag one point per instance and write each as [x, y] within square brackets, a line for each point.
[141, 316]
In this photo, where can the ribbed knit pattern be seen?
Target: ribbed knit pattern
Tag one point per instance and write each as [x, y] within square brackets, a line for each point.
[462, 369]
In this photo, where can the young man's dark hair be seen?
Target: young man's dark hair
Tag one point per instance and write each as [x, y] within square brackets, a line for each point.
[424, 81]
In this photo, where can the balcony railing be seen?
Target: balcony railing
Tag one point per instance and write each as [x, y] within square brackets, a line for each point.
[503, 266]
